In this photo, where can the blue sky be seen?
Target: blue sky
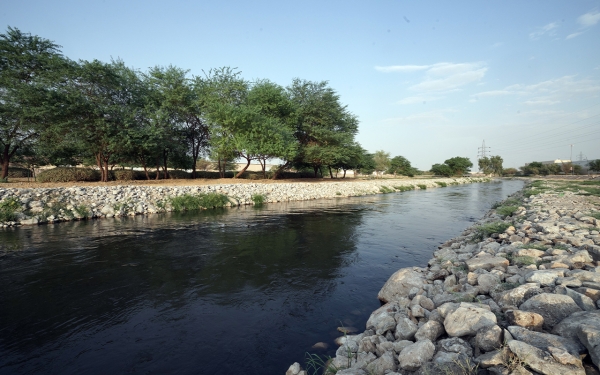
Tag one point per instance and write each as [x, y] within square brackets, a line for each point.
[428, 80]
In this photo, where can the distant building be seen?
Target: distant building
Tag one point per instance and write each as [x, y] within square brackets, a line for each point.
[556, 161]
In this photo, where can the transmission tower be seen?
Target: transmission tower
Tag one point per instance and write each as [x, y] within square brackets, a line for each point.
[483, 151]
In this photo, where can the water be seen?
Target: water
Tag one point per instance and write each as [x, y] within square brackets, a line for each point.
[228, 291]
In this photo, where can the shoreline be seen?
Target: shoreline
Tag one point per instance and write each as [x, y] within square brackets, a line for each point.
[57, 204]
[518, 291]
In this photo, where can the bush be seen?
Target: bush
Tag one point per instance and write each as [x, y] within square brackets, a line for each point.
[64, 174]
[405, 188]
[258, 199]
[189, 202]
[506, 210]
[125, 175]
[8, 209]
[179, 175]
[16, 172]
[422, 186]
[385, 190]
[441, 184]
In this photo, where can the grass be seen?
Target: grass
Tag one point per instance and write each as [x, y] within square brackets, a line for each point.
[258, 199]
[534, 246]
[506, 210]
[404, 188]
[8, 209]
[595, 215]
[422, 186]
[441, 183]
[561, 247]
[316, 365]
[485, 230]
[189, 202]
[385, 189]
[524, 261]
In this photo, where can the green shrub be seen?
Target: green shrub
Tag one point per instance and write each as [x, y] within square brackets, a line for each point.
[506, 210]
[441, 184]
[124, 175]
[485, 230]
[595, 215]
[258, 199]
[189, 202]
[71, 174]
[16, 172]
[385, 189]
[534, 246]
[9, 208]
[82, 211]
[179, 175]
[405, 188]
[422, 186]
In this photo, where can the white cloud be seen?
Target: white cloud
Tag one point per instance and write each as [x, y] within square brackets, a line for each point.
[546, 29]
[401, 68]
[492, 93]
[589, 19]
[570, 36]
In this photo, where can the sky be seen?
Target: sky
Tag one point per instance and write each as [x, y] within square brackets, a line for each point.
[428, 80]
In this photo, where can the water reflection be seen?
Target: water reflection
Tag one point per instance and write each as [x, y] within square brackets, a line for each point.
[223, 291]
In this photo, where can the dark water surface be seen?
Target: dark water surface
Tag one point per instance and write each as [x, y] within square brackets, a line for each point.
[233, 291]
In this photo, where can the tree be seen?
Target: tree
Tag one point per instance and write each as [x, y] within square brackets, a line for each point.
[491, 165]
[441, 170]
[459, 165]
[509, 171]
[595, 165]
[29, 67]
[382, 161]
[400, 165]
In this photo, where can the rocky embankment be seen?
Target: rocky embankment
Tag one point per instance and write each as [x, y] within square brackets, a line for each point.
[511, 295]
[48, 205]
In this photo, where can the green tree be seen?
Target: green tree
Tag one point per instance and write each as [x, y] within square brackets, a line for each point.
[491, 165]
[30, 67]
[459, 165]
[400, 165]
[595, 165]
[382, 161]
[442, 170]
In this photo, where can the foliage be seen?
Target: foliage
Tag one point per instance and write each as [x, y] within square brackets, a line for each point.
[189, 202]
[441, 170]
[68, 174]
[9, 208]
[595, 165]
[123, 175]
[16, 172]
[459, 165]
[485, 230]
[537, 168]
[422, 186]
[400, 165]
[509, 171]
[404, 188]
[258, 199]
[317, 365]
[82, 211]
[506, 210]
[385, 189]
[441, 183]
[491, 165]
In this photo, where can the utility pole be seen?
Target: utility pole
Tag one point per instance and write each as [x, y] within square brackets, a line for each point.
[482, 151]
[571, 159]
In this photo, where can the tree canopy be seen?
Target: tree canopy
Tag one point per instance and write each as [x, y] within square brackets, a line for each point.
[456, 166]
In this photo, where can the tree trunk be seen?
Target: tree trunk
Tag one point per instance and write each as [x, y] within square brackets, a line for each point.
[316, 171]
[157, 169]
[5, 159]
[143, 161]
[279, 170]
[263, 165]
[240, 173]
[344, 176]
[106, 169]
[165, 168]
[330, 173]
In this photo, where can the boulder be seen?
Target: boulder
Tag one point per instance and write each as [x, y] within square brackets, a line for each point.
[568, 326]
[489, 338]
[405, 329]
[516, 296]
[494, 358]
[583, 301]
[382, 364]
[553, 307]
[486, 262]
[542, 361]
[455, 345]
[526, 319]
[382, 319]
[467, 320]
[487, 282]
[429, 331]
[400, 284]
[544, 277]
[544, 340]
[415, 355]
[589, 336]
[584, 275]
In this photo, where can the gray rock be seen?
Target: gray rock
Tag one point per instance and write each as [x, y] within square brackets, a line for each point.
[400, 345]
[400, 284]
[568, 326]
[545, 277]
[526, 319]
[589, 336]
[553, 307]
[583, 301]
[487, 281]
[486, 262]
[429, 331]
[423, 301]
[572, 282]
[489, 338]
[382, 364]
[584, 275]
[468, 320]
[544, 340]
[494, 358]
[542, 361]
[455, 345]
[382, 319]
[405, 329]
[415, 355]
[516, 296]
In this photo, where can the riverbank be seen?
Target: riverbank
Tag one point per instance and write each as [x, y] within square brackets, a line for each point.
[516, 293]
[32, 206]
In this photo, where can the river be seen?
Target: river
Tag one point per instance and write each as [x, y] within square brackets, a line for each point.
[231, 291]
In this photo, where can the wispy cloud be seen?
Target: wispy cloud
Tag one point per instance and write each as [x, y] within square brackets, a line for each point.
[549, 29]
[570, 36]
[441, 77]
[589, 19]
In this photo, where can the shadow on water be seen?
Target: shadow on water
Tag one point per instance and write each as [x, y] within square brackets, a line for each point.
[241, 290]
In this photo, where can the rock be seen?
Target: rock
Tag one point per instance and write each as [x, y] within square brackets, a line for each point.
[415, 355]
[583, 301]
[572, 282]
[429, 331]
[530, 253]
[594, 294]
[400, 345]
[489, 338]
[568, 326]
[526, 319]
[544, 278]
[468, 320]
[400, 284]
[382, 319]
[382, 364]
[31, 221]
[584, 275]
[486, 262]
[405, 329]
[544, 340]
[553, 307]
[294, 369]
[542, 361]
[487, 281]
[455, 345]
[494, 358]
[590, 337]
[516, 296]
[424, 302]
